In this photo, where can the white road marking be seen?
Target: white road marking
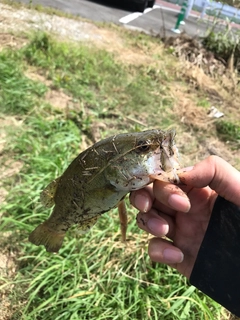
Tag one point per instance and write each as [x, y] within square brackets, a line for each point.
[132, 16]
[148, 10]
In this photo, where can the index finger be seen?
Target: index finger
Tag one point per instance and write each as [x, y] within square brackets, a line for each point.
[162, 196]
[171, 195]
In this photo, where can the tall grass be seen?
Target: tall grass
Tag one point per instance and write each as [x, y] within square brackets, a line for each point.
[94, 276]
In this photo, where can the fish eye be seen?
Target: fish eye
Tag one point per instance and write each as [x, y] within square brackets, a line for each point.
[143, 146]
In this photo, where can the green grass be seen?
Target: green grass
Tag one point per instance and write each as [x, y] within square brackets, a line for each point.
[94, 276]
[17, 92]
[203, 103]
[229, 131]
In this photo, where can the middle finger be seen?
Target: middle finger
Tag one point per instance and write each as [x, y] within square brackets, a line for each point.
[157, 223]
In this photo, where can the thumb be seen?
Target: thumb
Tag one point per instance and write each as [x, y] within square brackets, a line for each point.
[216, 173]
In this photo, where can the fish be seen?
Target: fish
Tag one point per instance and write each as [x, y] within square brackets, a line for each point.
[100, 177]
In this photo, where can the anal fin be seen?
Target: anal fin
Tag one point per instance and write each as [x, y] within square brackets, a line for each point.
[86, 225]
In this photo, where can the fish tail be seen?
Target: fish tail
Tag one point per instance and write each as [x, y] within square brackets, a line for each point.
[43, 235]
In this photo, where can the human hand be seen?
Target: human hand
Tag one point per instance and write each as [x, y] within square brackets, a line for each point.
[182, 213]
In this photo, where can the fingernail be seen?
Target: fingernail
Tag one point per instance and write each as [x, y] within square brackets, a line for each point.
[158, 227]
[141, 203]
[179, 203]
[173, 255]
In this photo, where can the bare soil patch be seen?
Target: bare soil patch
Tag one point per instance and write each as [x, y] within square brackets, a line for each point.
[10, 41]
[8, 167]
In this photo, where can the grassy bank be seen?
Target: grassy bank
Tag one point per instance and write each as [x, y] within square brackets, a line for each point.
[56, 98]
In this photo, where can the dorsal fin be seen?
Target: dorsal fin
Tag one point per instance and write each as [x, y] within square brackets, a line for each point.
[47, 195]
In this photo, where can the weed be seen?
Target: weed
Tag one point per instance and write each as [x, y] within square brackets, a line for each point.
[224, 44]
[228, 131]
[203, 103]
[18, 94]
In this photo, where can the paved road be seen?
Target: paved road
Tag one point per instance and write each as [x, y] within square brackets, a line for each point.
[162, 16]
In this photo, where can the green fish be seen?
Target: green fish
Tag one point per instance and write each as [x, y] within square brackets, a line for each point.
[99, 179]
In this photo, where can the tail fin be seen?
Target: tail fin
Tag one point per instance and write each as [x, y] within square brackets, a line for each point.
[43, 235]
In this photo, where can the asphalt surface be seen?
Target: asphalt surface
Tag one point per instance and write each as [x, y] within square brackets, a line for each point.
[160, 19]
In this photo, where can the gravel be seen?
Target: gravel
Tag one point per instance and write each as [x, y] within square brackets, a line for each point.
[14, 19]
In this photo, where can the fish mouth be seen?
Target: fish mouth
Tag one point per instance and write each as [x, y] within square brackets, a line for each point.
[163, 165]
